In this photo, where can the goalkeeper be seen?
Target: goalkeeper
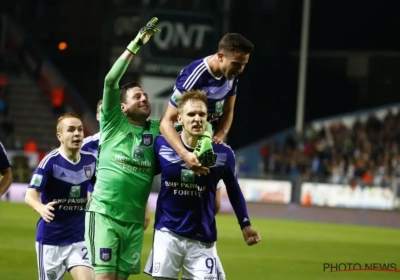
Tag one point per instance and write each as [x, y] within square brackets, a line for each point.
[217, 76]
[126, 167]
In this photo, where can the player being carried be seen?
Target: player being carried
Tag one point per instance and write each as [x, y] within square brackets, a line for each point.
[217, 76]
[61, 180]
[185, 227]
[116, 211]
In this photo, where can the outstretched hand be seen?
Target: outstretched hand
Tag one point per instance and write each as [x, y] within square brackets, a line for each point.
[144, 35]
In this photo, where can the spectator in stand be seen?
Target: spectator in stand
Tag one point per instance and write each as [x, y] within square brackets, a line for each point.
[3, 96]
[365, 153]
[57, 101]
[31, 146]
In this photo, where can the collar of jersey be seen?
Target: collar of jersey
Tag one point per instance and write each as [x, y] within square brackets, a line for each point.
[186, 146]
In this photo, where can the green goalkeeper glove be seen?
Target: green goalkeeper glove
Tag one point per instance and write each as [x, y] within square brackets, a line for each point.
[204, 150]
[144, 35]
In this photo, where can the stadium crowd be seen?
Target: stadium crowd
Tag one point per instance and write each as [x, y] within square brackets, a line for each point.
[367, 153]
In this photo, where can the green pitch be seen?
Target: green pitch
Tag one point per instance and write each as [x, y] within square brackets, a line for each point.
[289, 249]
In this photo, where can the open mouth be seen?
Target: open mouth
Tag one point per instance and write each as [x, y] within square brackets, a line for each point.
[197, 127]
[77, 142]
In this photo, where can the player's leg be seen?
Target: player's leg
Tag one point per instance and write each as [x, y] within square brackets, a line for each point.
[50, 261]
[200, 262]
[220, 268]
[102, 244]
[149, 264]
[78, 263]
[130, 249]
[204, 150]
[166, 258]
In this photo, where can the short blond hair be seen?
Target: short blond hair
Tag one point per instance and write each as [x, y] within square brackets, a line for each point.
[67, 116]
[192, 95]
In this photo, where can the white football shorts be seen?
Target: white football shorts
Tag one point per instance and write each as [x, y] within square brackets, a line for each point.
[54, 261]
[171, 252]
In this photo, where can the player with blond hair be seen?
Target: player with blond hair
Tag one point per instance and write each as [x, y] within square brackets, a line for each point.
[185, 230]
[58, 192]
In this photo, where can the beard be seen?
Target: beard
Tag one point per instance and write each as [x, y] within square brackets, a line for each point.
[137, 115]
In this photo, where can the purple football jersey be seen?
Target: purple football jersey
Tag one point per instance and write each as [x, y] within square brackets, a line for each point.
[4, 162]
[197, 75]
[186, 202]
[59, 179]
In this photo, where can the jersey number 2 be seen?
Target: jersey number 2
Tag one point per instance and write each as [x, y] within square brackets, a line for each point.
[84, 257]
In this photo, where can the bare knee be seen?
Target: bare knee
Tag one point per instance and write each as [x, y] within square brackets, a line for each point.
[105, 276]
[82, 273]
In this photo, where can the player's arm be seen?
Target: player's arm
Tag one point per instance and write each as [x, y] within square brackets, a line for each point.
[36, 186]
[168, 130]
[225, 121]
[111, 97]
[92, 182]
[147, 217]
[217, 206]
[5, 171]
[6, 180]
[111, 83]
[237, 200]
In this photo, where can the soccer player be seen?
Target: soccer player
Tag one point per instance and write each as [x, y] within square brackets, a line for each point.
[185, 226]
[217, 76]
[91, 143]
[116, 210]
[5, 170]
[61, 180]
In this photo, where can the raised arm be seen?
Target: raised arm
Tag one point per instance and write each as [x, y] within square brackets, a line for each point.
[111, 83]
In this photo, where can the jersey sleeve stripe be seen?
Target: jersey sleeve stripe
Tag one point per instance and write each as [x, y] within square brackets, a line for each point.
[46, 159]
[87, 140]
[88, 153]
[194, 76]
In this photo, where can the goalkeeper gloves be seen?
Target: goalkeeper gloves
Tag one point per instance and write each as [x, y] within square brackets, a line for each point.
[144, 35]
[204, 150]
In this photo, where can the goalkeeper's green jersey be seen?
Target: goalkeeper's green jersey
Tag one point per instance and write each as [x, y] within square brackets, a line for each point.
[126, 160]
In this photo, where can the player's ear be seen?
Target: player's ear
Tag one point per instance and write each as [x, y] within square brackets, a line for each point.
[58, 134]
[123, 107]
[220, 56]
[180, 121]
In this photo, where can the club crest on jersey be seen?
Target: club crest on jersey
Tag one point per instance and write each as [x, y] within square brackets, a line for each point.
[51, 275]
[105, 254]
[75, 191]
[156, 267]
[187, 176]
[219, 107]
[88, 171]
[147, 140]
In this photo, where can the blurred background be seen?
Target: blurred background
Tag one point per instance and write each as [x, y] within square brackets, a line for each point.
[317, 113]
[316, 130]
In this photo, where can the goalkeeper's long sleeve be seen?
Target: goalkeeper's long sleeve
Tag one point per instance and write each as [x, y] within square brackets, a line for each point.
[111, 93]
